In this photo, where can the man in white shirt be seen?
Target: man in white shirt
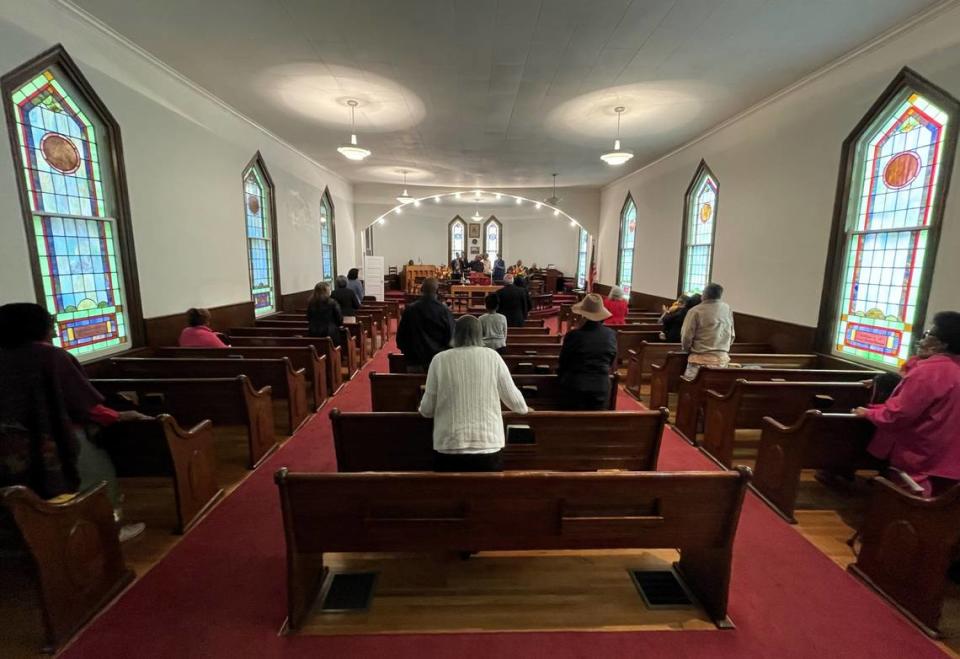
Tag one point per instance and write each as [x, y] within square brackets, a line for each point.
[707, 332]
[487, 265]
[465, 386]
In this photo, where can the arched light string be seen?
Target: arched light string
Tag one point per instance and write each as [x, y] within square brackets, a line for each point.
[465, 196]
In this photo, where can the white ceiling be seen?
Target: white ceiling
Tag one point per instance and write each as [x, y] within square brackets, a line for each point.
[495, 92]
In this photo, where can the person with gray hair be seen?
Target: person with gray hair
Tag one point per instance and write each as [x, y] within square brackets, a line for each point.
[346, 297]
[465, 386]
[616, 303]
[514, 301]
[425, 328]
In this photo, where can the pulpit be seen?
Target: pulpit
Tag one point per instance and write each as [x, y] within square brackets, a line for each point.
[413, 276]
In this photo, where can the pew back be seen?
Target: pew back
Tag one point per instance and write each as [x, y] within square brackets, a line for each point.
[561, 441]
[325, 346]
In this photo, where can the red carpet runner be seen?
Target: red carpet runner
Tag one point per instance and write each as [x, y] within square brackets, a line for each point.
[221, 591]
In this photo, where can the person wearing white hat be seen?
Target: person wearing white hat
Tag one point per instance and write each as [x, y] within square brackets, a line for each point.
[587, 358]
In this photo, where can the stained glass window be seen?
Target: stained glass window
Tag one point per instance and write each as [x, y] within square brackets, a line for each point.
[628, 233]
[73, 212]
[582, 243]
[699, 226]
[493, 237]
[328, 239]
[896, 179]
[257, 205]
[458, 232]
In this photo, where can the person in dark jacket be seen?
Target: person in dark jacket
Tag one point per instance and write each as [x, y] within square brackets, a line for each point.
[587, 358]
[499, 268]
[346, 297]
[425, 329]
[514, 302]
[324, 315]
[672, 321]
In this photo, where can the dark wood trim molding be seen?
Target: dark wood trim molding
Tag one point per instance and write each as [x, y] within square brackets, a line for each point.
[833, 271]
[257, 161]
[165, 330]
[623, 209]
[702, 169]
[57, 57]
[293, 301]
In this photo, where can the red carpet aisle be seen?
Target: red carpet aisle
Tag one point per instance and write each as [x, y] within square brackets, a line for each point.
[221, 591]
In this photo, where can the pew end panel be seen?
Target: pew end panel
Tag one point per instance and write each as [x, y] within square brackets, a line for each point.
[908, 542]
[75, 551]
[817, 440]
[259, 406]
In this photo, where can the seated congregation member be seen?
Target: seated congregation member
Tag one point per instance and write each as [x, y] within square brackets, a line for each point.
[494, 324]
[672, 320]
[707, 332]
[50, 414]
[499, 268]
[198, 333]
[346, 297]
[354, 283]
[426, 328]
[617, 305]
[324, 316]
[918, 425]
[587, 358]
[467, 423]
[513, 302]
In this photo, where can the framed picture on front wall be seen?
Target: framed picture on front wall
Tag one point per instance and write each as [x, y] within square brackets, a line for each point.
[474, 250]
[474, 231]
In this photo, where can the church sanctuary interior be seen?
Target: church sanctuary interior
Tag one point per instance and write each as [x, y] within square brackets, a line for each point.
[417, 328]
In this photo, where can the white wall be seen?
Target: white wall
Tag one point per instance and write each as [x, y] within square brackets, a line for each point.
[777, 169]
[185, 154]
[421, 233]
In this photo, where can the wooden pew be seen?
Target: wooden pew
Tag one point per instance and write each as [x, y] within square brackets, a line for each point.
[313, 364]
[836, 442]
[536, 339]
[908, 543]
[640, 360]
[75, 556]
[286, 383]
[527, 349]
[562, 441]
[162, 448]
[518, 364]
[628, 340]
[394, 392]
[350, 362]
[695, 512]
[692, 394]
[359, 334]
[225, 401]
[667, 368]
[528, 331]
[379, 324]
[325, 346]
[748, 402]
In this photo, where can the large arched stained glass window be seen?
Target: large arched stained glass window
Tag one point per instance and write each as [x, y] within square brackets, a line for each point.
[583, 241]
[456, 238]
[261, 236]
[493, 237]
[67, 150]
[328, 238]
[699, 229]
[899, 160]
[628, 234]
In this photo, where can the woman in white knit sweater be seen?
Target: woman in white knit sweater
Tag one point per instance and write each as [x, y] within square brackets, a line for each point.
[465, 386]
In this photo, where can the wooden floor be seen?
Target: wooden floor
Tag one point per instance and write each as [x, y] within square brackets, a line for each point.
[503, 592]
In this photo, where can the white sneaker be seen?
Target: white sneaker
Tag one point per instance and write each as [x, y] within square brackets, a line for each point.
[131, 531]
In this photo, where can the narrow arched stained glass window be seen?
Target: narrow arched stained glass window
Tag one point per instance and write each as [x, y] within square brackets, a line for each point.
[900, 168]
[260, 248]
[457, 239]
[699, 230]
[328, 239]
[493, 237]
[67, 168]
[628, 233]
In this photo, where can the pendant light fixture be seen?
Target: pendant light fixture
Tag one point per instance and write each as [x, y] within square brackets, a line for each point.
[617, 156]
[405, 198]
[554, 200]
[353, 151]
[476, 217]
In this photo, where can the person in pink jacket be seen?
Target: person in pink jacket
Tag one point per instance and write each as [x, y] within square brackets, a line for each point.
[198, 333]
[918, 427]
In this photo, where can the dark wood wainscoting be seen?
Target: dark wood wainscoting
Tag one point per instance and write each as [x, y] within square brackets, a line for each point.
[294, 301]
[165, 330]
[647, 302]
